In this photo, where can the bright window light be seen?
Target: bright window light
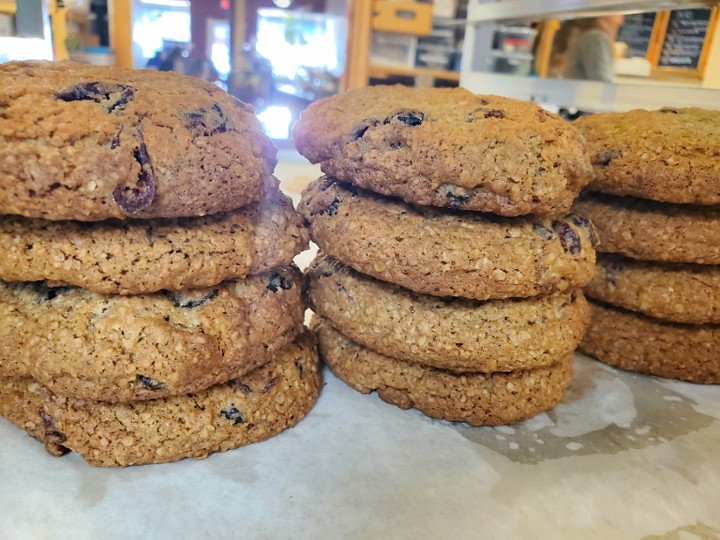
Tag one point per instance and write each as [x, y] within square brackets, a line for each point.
[275, 121]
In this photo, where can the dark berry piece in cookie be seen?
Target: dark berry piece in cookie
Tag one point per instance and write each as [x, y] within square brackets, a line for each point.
[278, 282]
[134, 199]
[543, 232]
[360, 130]
[408, 118]
[233, 414]
[270, 385]
[583, 222]
[494, 113]
[111, 95]
[149, 383]
[568, 238]
[604, 158]
[190, 299]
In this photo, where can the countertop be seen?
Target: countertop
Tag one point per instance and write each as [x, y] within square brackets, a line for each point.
[623, 456]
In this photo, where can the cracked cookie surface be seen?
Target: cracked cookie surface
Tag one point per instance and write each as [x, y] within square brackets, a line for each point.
[636, 342]
[126, 348]
[447, 148]
[249, 409]
[81, 142]
[669, 155]
[476, 398]
[684, 293]
[144, 256]
[449, 333]
[653, 231]
[447, 253]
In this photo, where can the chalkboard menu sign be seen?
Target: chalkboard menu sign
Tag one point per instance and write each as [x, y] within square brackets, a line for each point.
[684, 38]
[636, 32]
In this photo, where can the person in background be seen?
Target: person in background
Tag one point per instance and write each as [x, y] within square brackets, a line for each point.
[589, 43]
[156, 61]
[173, 61]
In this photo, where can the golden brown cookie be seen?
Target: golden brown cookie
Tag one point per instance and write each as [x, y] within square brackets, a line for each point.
[253, 408]
[145, 256]
[684, 293]
[475, 398]
[127, 348]
[447, 333]
[448, 148]
[652, 231]
[445, 253]
[670, 155]
[82, 142]
[636, 342]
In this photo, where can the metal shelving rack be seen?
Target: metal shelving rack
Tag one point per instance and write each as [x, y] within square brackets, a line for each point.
[586, 95]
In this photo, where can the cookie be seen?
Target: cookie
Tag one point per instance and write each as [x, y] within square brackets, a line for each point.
[684, 293]
[444, 253]
[145, 256]
[82, 142]
[127, 348]
[670, 155]
[475, 398]
[636, 342]
[253, 408]
[447, 333]
[447, 147]
[651, 231]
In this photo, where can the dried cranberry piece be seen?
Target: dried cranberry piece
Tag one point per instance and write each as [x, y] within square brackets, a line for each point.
[134, 199]
[568, 238]
[494, 113]
[52, 433]
[582, 221]
[408, 118]
[278, 282]
[270, 385]
[185, 300]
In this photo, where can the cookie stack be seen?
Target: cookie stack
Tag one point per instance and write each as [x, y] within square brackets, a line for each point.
[433, 285]
[150, 310]
[654, 202]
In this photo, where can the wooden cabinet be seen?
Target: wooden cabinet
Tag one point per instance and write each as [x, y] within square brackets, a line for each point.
[363, 65]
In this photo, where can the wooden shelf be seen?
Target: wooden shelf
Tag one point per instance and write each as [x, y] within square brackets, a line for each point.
[382, 72]
[511, 10]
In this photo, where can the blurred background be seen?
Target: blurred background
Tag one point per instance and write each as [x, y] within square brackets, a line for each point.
[281, 55]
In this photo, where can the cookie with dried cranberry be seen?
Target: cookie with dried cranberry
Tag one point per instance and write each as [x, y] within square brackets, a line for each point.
[448, 333]
[636, 342]
[447, 148]
[652, 231]
[127, 348]
[684, 293]
[145, 256]
[249, 409]
[476, 398]
[89, 143]
[670, 155]
[447, 253]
